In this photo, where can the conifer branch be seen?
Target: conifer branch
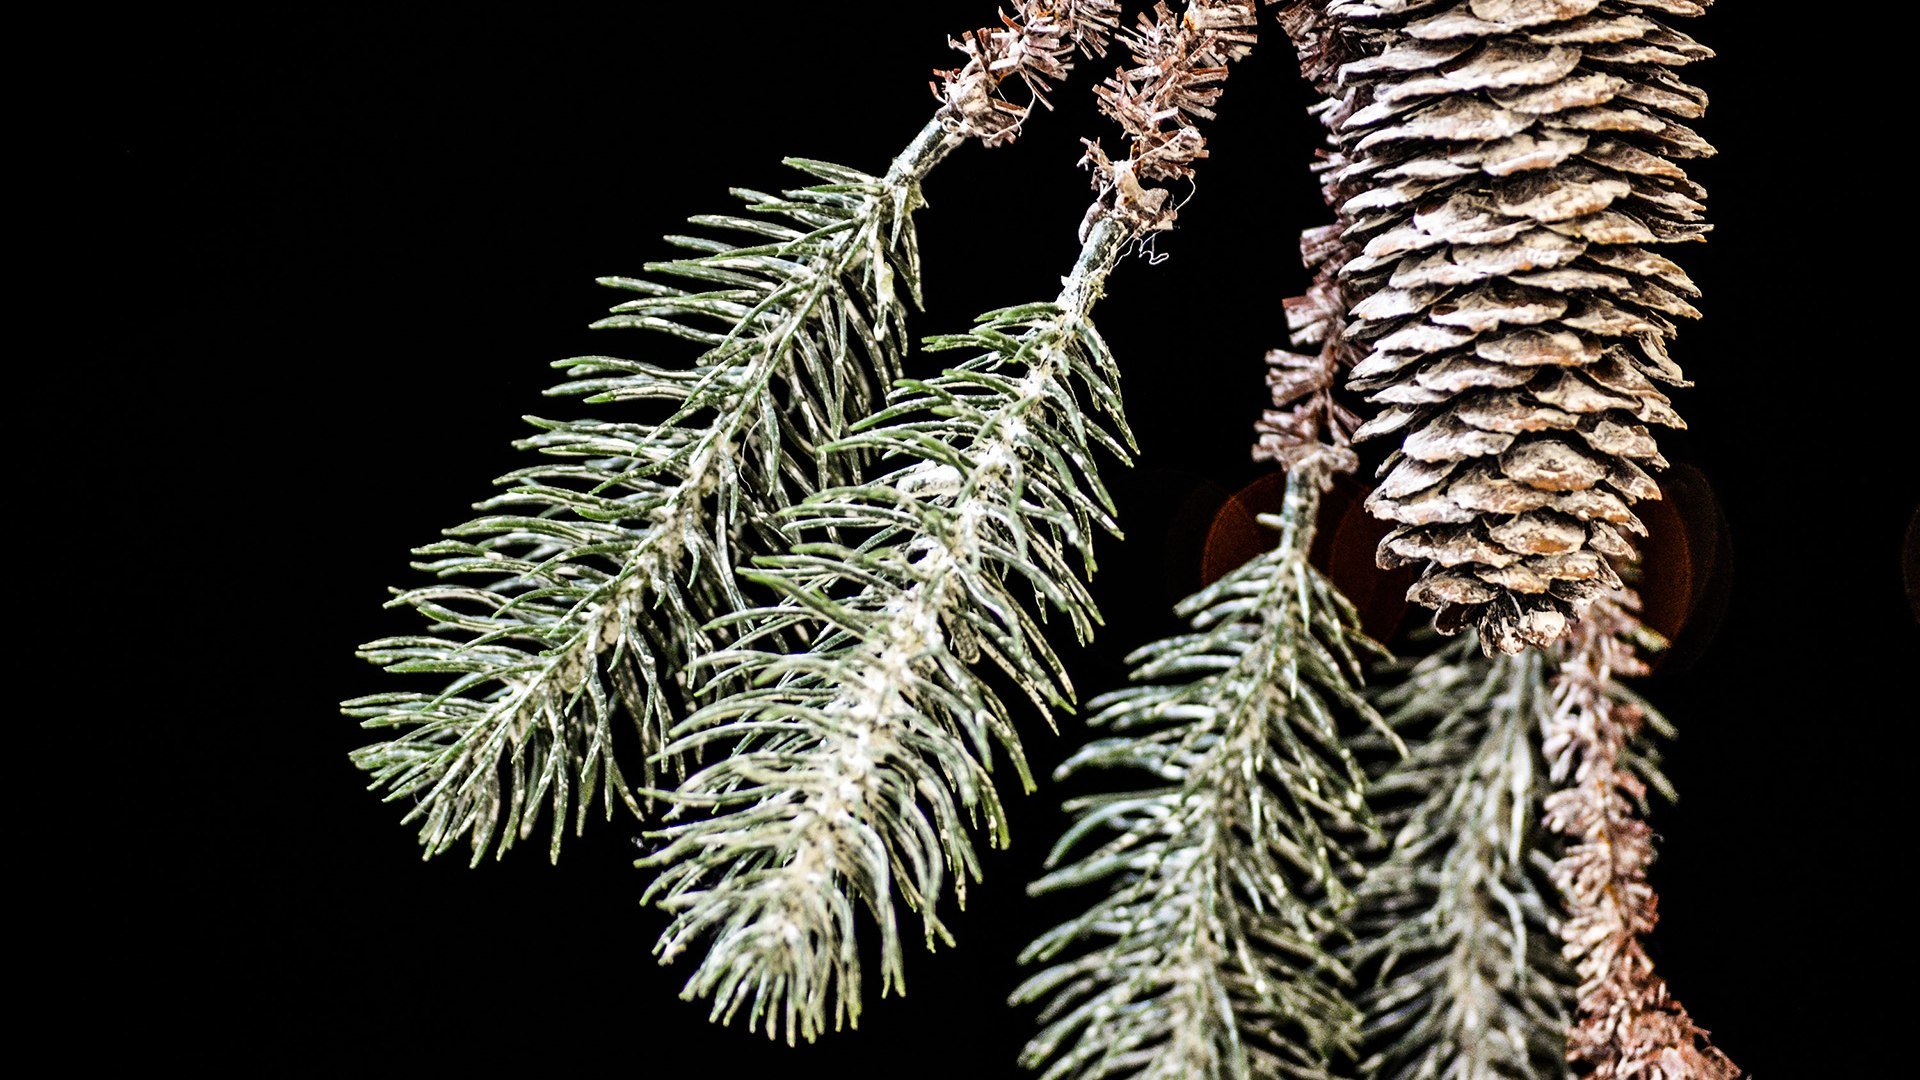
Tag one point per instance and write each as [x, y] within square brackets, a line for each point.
[1204, 958]
[861, 761]
[1628, 1025]
[1205, 955]
[583, 590]
[1455, 926]
[858, 766]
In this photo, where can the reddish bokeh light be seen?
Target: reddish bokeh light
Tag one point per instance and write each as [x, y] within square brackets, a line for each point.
[1343, 548]
[1683, 577]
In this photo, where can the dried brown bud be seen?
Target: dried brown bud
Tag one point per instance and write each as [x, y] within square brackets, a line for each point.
[1036, 46]
[1179, 63]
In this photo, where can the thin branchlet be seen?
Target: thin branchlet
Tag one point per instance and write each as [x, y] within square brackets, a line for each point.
[857, 768]
[1205, 958]
[1305, 413]
[584, 589]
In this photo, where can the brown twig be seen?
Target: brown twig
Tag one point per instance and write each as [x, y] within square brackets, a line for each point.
[1629, 1025]
[1305, 414]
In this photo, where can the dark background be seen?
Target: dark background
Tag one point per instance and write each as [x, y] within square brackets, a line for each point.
[335, 254]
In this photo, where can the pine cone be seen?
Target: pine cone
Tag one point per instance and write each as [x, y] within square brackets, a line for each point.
[1519, 163]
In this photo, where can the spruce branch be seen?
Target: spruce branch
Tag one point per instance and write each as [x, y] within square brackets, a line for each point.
[1628, 1025]
[1205, 955]
[593, 572]
[1455, 926]
[1520, 161]
[860, 762]
[857, 767]
[1204, 958]
[584, 588]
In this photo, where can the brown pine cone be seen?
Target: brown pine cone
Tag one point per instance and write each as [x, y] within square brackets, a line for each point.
[1519, 165]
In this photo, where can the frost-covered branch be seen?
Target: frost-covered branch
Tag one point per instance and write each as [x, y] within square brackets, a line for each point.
[862, 764]
[1628, 1025]
[857, 767]
[582, 591]
[1205, 957]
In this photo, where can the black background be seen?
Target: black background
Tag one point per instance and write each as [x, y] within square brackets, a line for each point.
[335, 255]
